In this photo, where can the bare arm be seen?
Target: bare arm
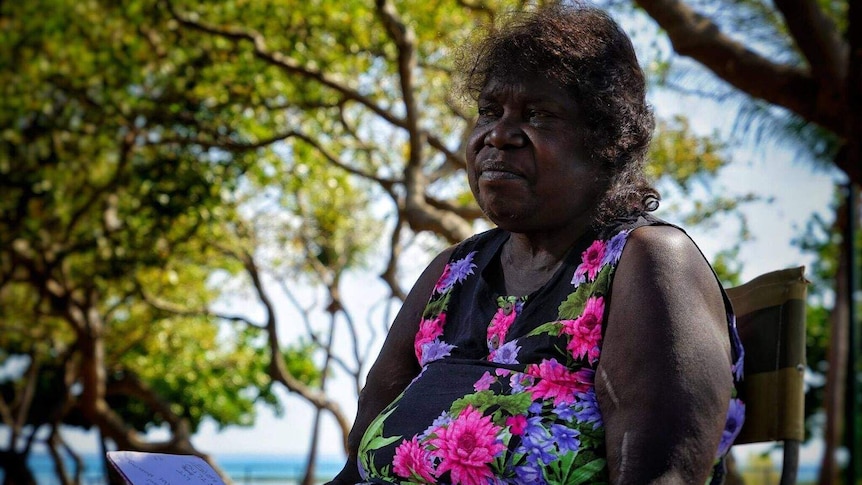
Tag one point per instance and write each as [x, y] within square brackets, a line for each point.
[395, 366]
[663, 382]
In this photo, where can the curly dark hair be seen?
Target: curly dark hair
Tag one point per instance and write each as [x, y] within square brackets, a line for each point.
[583, 49]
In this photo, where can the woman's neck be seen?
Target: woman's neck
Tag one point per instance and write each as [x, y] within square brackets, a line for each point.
[527, 263]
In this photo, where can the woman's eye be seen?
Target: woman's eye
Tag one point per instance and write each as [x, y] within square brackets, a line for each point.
[487, 114]
[536, 114]
[485, 111]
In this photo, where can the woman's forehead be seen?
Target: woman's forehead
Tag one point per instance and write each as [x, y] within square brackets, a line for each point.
[525, 86]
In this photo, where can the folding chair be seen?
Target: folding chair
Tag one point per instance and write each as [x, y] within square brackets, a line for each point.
[770, 317]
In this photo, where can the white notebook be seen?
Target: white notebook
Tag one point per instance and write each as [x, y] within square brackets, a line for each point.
[138, 468]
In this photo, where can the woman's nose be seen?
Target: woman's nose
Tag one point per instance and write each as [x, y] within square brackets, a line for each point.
[506, 133]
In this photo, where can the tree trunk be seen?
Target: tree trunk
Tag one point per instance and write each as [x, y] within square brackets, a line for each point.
[14, 466]
[310, 469]
[837, 357]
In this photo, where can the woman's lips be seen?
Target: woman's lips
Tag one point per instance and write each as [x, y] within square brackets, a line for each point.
[497, 170]
[492, 175]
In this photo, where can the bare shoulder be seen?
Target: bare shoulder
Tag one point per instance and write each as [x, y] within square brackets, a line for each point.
[663, 262]
[663, 247]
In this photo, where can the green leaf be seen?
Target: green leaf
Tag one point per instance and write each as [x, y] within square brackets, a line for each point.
[586, 473]
[551, 328]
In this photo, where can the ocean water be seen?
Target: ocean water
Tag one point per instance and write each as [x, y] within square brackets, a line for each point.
[288, 470]
[243, 469]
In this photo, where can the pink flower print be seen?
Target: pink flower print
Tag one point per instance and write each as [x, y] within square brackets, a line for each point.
[484, 382]
[443, 282]
[558, 382]
[499, 326]
[591, 262]
[412, 461]
[466, 447]
[586, 330]
[517, 424]
[428, 331]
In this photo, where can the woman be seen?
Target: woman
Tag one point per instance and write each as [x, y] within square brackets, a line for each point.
[580, 341]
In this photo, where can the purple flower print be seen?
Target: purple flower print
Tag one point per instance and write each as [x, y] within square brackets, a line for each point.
[733, 425]
[421, 371]
[435, 350]
[537, 443]
[614, 249]
[565, 411]
[588, 409]
[566, 438]
[579, 277]
[530, 474]
[738, 350]
[441, 421]
[737, 367]
[520, 381]
[455, 272]
[463, 268]
[506, 354]
[429, 330]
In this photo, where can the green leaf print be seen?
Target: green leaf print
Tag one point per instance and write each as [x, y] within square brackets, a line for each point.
[436, 307]
[591, 438]
[374, 433]
[602, 280]
[574, 305]
[480, 401]
[551, 328]
[566, 466]
[514, 404]
[586, 473]
[372, 440]
[508, 404]
[380, 442]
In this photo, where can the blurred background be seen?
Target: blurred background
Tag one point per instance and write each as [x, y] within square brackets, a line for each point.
[211, 211]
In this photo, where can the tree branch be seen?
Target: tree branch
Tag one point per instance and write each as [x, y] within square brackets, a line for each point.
[179, 310]
[405, 42]
[696, 36]
[277, 368]
[817, 37]
[291, 66]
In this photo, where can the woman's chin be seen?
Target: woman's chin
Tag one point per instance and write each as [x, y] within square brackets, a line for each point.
[512, 220]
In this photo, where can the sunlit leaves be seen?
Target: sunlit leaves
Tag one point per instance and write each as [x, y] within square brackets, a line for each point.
[680, 156]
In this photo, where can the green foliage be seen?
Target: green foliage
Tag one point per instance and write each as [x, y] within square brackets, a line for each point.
[114, 195]
[686, 165]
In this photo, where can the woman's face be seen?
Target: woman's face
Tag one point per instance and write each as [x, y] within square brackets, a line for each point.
[526, 162]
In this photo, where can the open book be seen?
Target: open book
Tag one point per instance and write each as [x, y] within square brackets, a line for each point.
[138, 468]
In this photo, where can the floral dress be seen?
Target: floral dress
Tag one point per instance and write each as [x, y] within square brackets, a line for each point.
[506, 393]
